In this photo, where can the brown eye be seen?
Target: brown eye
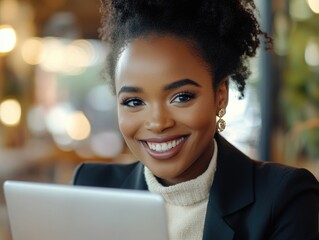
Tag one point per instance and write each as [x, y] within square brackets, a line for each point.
[132, 102]
[183, 97]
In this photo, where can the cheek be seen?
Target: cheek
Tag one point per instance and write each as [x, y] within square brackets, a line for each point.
[201, 117]
[201, 121]
[128, 125]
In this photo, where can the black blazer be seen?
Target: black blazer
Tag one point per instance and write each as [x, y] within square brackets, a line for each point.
[249, 200]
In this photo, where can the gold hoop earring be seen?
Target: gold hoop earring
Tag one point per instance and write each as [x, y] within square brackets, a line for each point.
[221, 124]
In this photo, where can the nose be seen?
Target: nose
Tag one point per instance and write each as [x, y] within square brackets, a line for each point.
[158, 119]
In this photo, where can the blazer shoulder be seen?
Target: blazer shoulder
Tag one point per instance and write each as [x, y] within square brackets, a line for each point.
[288, 194]
[283, 184]
[276, 173]
[102, 174]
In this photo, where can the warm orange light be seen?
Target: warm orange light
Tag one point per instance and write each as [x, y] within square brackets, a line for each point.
[10, 112]
[78, 126]
[7, 38]
[31, 51]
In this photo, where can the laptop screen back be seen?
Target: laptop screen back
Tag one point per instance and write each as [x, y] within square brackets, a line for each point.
[40, 211]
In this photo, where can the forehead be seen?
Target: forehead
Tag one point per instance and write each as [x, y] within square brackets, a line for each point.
[164, 57]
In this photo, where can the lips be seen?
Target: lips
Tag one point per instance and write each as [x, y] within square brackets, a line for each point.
[160, 149]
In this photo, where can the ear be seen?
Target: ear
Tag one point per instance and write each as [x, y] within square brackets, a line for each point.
[222, 94]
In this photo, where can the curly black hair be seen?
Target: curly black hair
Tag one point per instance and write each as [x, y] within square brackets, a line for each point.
[225, 33]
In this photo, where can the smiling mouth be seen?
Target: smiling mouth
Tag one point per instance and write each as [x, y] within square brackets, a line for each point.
[166, 146]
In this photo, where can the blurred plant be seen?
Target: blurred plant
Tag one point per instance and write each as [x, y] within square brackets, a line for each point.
[300, 92]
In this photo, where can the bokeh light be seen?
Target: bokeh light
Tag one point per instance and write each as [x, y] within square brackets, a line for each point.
[84, 151]
[7, 38]
[63, 142]
[52, 55]
[10, 112]
[314, 5]
[56, 119]
[299, 10]
[31, 51]
[312, 53]
[78, 126]
[79, 54]
[107, 144]
[60, 55]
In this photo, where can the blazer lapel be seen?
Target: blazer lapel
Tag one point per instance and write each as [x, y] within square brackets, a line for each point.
[231, 191]
[215, 226]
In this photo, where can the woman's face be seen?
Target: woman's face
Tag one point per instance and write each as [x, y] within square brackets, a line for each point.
[167, 107]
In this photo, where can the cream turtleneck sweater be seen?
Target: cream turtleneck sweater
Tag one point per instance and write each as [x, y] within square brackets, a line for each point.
[186, 202]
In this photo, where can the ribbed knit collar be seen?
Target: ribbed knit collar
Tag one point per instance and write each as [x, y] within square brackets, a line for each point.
[185, 193]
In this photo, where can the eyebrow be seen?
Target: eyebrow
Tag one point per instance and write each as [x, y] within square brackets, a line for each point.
[181, 83]
[171, 86]
[128, 89]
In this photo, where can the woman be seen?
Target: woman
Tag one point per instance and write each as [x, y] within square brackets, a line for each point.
[170, 66]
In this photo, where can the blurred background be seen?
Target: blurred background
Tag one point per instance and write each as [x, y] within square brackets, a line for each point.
[56, 110]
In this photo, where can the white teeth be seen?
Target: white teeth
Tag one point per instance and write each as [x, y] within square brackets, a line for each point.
[162, 147]
[174, 143]
[158, 148]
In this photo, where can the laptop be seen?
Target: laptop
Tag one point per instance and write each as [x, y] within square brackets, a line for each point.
[40, 211]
